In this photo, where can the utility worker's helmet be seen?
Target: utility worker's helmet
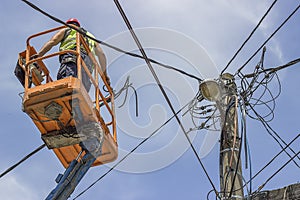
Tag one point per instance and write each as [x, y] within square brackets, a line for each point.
[73, 21]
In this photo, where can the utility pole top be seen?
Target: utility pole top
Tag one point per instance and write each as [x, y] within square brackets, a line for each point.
[223, 92]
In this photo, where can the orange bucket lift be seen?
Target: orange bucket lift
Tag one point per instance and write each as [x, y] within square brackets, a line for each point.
[56, 106]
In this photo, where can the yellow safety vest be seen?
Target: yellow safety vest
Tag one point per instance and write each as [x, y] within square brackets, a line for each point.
[69, 41]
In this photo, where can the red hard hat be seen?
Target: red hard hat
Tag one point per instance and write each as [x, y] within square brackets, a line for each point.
[73, 21]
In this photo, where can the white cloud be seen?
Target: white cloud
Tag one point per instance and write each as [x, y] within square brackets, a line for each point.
[13, 189]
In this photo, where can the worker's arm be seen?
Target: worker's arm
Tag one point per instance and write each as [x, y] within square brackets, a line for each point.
[102, 60]
[52, 42]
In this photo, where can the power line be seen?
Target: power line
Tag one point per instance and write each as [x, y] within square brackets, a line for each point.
[275, 173]
[248, 38]
[281, 25]
[161, 88]
[274, 157]
[22, 160]
[266, 165]
[109, 45]
[271, 131]
[274, 69]
[148, 60]
[142, 142]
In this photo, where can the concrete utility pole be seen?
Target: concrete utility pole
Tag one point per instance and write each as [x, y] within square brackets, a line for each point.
[224, 93]
[231, 181]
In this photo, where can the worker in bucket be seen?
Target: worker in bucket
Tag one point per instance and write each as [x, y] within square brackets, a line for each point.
[67, 39]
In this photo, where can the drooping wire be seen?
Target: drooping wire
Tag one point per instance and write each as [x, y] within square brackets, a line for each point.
[281, 25]
[207, 112]
[238, 159]
[248, 90]
[250, 166]
[248, 38]
[109, 45]
[22, 160]
[248, 158]
[128, 154]
[161, 88]
[125, 88]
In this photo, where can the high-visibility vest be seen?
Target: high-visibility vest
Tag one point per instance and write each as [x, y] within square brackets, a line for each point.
[69, 41]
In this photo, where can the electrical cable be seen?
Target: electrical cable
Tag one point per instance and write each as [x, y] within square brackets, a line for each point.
[161, 88]
[238, 159]
[136, 147]
[22, 160]
[248, 91]
[235, 131]
[274, 69]
[125, 88]
[246, 144]
[250, 166]
[275, 173]
[282, 24]
[135, 55]
[109, 45]
[248, 38]
[150, 60]
[207, 196]
[233, 102]
[271, 131]
[269, 163]
[274, 157]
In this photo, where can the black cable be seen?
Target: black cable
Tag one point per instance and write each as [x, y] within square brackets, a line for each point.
[274, 69]
[109, 45]
[142, 142]
[274, 157]
[268, 39]
[22, 160]
[266, 165]
[161, 87]
[125, 88]
[284, 165]
[207, 196]
[260, 21]
[270, 130]
[248, 91]
[135, 55]
[237, 163]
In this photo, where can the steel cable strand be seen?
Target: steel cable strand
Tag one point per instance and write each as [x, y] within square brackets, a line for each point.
[22, 160]
[248, 38]
[269, 163]
[269, 130]
[281, 25]
[109, 45]
[162, 89]
[128, 154]
[274, 174]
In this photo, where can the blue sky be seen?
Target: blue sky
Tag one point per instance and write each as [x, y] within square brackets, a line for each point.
[218, 27]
